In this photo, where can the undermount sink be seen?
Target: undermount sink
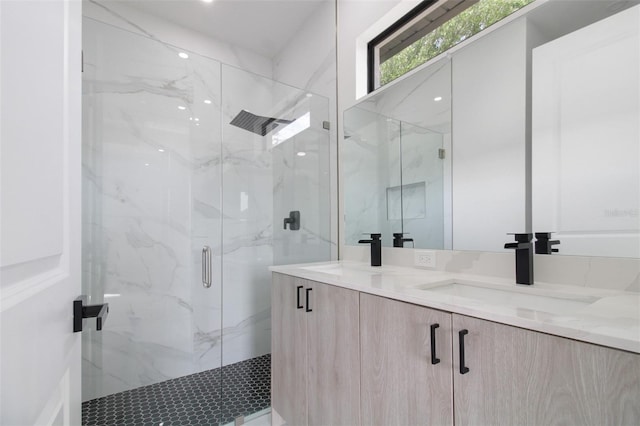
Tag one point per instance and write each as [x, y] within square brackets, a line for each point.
[337, 269]
[527, 298]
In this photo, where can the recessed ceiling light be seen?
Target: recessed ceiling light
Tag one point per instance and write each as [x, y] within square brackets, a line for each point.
[309, 95]
[208, 1]
[301, 154]
[197, 124]
[437, 98]
[146, 164]
[182, 108]
[183, 55]
[207, 101]
[160, 150]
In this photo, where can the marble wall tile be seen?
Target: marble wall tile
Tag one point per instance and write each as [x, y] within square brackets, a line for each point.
[308, 61]
[598, 272]
[151, 162]
[161, 182]
[262, 183]
[120, 14]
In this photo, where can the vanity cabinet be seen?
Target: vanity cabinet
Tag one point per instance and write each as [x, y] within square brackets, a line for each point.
[357, 358]
[509, 375]
[315, 361]
[523, 377]
[406, 363]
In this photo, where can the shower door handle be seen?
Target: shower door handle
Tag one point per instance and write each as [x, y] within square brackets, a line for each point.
[206, 266]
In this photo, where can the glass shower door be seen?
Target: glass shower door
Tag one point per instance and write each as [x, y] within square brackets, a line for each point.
[190, 170]
[276, 210]
[151, 202]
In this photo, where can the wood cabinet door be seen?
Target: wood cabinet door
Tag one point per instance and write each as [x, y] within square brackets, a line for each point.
[400, 385]
[288, 352]
[334, 356]
[522, 377]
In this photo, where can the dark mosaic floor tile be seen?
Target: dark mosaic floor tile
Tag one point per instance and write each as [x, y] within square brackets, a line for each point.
[190, 400]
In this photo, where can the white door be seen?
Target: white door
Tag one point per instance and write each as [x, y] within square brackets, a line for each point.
[40, 92]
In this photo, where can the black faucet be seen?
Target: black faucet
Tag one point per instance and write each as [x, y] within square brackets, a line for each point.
[399, 240]
[524, 257]
[376, 249]
[544, 244]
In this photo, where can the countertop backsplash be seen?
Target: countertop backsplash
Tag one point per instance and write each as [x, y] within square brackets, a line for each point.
[595, 272]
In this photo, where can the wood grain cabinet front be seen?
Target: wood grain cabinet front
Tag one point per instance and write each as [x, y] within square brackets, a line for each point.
[487, 373]
[522, 377]
[315, 377]
[406, 363]
[340, 357]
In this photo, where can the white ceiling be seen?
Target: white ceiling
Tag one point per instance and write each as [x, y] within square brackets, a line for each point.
[262, 26]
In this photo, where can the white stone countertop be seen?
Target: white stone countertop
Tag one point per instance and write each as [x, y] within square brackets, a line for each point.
[604, 317]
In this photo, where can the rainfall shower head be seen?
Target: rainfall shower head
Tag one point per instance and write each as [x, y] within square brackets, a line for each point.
[257, 123]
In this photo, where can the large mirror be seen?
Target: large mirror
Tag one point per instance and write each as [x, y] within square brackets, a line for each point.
[462, 151]
[395, 164]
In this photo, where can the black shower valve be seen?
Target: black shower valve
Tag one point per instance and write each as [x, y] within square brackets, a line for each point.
[293, 220]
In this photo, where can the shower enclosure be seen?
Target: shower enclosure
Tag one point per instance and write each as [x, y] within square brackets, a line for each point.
[190, 168]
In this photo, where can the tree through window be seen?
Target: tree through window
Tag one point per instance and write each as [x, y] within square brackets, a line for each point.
[428, 30]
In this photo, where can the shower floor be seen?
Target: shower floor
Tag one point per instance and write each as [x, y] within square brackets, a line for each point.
[188, 400]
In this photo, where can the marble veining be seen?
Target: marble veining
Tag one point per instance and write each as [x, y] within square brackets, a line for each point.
[166, 174]
[146, 163]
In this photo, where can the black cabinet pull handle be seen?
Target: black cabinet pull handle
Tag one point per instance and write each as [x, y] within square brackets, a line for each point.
[461, 334]
[298, 298]
[307, 309]
[434, 359]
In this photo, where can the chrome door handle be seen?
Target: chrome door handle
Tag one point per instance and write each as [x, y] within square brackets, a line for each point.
[206, 266]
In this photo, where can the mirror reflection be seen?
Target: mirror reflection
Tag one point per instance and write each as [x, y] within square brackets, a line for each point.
[586, 138]
[533, 127]
[395, 163]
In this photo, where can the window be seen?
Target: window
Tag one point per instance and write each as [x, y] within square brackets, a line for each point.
[428, 30]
